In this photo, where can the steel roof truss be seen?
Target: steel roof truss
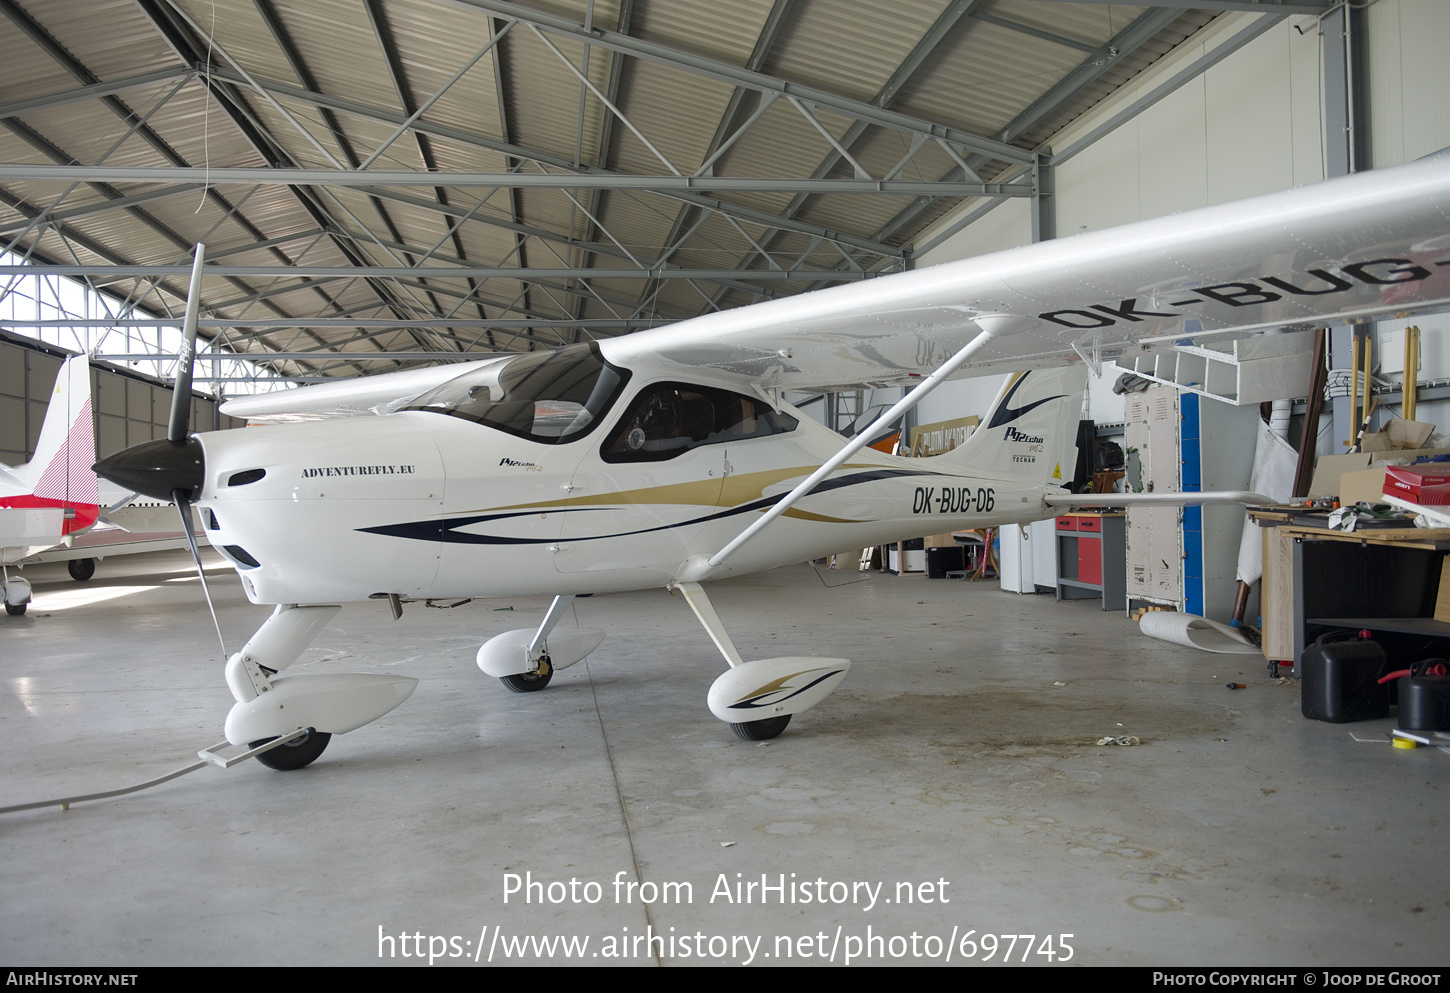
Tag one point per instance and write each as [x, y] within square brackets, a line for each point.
[758, 81]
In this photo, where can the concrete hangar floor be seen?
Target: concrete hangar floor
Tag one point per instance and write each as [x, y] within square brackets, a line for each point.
[952, 785]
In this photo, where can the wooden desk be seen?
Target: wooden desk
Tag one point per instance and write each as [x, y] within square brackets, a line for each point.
[1385, 580]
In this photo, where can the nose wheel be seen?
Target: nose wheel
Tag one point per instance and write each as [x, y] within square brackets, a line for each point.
[295, 754]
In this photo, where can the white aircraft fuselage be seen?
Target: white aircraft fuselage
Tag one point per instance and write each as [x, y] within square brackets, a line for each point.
[425, 505]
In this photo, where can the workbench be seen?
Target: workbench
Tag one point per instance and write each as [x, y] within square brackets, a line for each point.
[1092, 558]
[1385, 580]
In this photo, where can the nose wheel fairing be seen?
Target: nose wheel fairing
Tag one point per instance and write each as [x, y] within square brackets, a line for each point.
[334, 703]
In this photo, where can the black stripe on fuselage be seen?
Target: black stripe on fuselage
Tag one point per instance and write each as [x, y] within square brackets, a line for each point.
[446, 529]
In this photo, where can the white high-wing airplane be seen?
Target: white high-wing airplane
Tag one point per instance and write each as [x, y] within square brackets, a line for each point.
[656, 459]
[53, 496]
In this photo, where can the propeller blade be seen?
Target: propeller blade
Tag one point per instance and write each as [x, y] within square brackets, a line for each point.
[179, 424]
[183, 506]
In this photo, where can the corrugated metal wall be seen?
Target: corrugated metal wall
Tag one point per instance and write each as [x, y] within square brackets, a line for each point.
[128, 410]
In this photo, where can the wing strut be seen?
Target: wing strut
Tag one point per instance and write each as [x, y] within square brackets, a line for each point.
[855, 444]
[1245, 497]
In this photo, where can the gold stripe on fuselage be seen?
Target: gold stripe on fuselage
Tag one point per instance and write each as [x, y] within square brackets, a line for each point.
[734, 491]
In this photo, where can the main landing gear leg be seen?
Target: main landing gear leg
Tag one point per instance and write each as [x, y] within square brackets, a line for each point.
[537, 654]
[524, 660]
[758, 698]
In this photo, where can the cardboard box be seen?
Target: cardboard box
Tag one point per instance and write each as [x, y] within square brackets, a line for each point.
[1398, 435]
[1329, 468]
[1367, 485]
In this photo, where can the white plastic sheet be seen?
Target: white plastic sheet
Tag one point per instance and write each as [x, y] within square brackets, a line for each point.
[1275, 462]
[1195, 632]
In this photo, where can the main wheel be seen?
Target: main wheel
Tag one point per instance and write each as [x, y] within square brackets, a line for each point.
[81, 569]
[295, 754]
[15, 609]
[760, 730]
[527, 682]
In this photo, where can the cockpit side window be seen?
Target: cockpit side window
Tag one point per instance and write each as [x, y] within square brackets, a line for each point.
[549, 397]
[668, 419]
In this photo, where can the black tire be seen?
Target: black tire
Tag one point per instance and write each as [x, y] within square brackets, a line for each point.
[764, 730]
[527, 682]
[295, 754]
[15, 609]
[81, 569]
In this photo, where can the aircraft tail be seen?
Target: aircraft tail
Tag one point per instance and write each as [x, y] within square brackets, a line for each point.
[1030, 431]
[60, 473]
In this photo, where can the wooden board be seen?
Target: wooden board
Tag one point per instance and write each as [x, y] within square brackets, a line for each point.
[1276, 597]
[1434, 539]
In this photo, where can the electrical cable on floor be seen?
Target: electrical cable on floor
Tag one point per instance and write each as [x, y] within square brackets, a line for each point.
[207, 756]
[836, 586]
[64, 804]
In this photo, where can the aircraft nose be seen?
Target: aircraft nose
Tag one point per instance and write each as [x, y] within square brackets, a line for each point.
[156, 468]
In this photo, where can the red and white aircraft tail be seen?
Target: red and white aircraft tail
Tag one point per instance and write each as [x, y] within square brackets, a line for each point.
[54, 495]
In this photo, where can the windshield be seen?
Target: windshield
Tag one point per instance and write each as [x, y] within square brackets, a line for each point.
[550, 397]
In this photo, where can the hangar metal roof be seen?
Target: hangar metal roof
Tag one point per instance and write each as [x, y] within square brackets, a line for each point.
[390, 177]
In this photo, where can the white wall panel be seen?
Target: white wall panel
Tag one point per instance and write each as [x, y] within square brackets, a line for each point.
[1252, 124]
[1387, 83]
[1172, 147]
[1007, 226]
[1409, 79]
[1098, 188]
[1248, 118]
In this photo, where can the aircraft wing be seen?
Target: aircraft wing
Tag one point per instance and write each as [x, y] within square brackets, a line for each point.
[105, 542]
[1372, 244]
[364, 395]
[1369, 245]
